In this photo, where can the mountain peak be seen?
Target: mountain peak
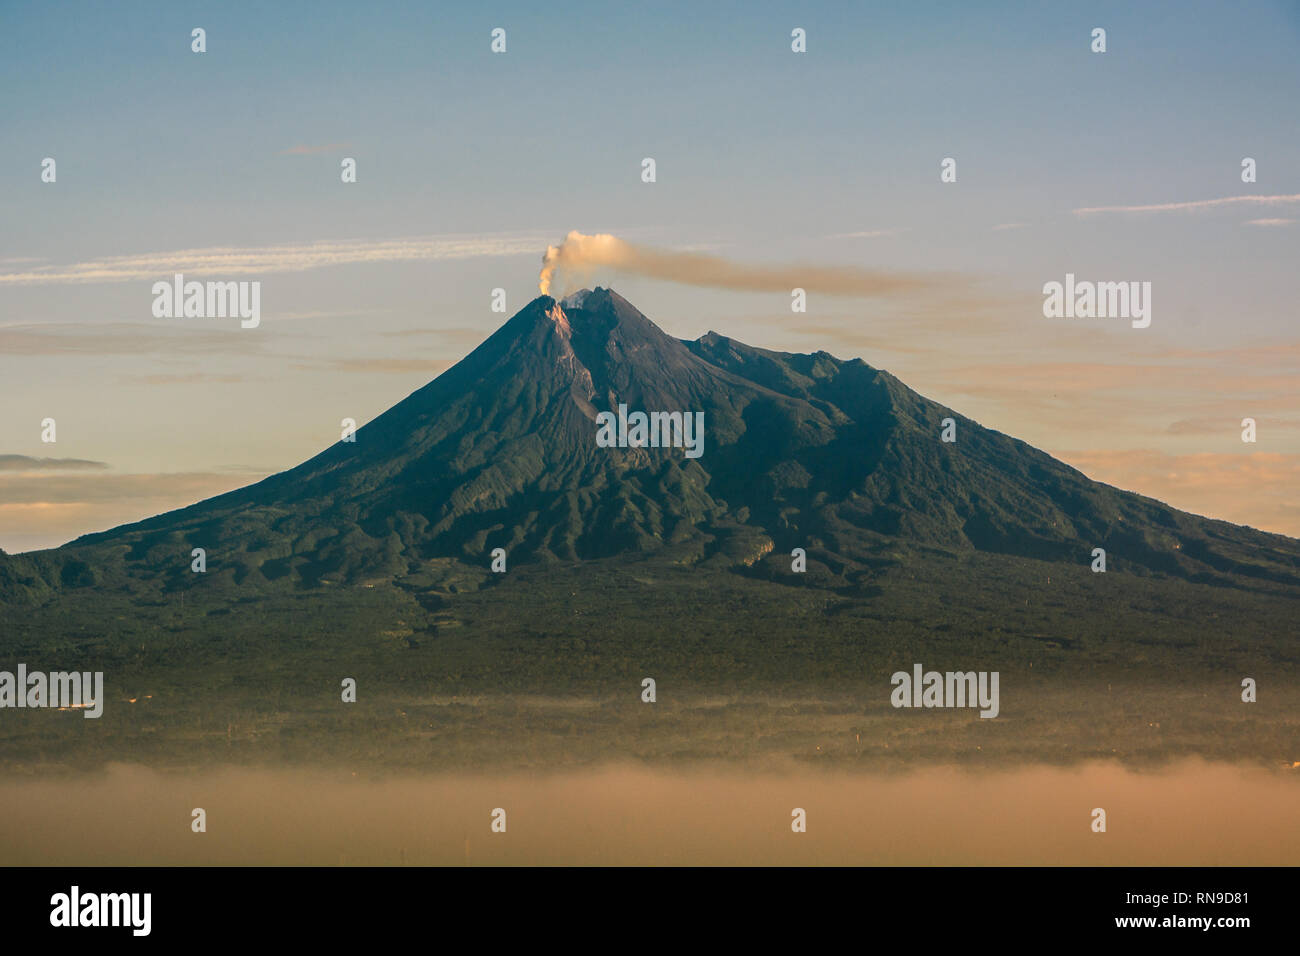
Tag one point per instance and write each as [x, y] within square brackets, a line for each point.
[806, 451]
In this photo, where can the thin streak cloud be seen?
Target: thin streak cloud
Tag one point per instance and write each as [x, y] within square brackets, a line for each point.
[26, 463]
[1194, 204]
[312, 150]
[289, 257]
[870, 234]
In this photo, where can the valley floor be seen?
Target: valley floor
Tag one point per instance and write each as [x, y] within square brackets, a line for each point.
[524, 694]
[545, 669]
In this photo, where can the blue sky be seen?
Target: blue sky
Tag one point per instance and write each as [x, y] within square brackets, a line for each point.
[763, 156]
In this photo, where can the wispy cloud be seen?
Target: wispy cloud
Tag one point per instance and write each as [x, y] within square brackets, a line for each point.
[1194, 204]
[869, 234]
[1269, 222]
[39, 511]
[1075, 378]
[289, 257]
[1285, 353]
[25, 463]
[316, 314]
[172, 489]
[123, 338]
[383, 365]
[191, 378]
[1222, 425]
[458, 336]
[301, 150]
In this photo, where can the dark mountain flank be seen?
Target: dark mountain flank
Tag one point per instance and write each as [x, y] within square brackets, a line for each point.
[799, 451]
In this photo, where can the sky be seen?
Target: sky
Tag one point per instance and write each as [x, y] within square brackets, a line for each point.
[225, 165]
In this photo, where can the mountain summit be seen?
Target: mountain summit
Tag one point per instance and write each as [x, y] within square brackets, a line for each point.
[799, 451]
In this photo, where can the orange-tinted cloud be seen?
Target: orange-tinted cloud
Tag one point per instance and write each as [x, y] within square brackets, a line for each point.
[47, 510]
[1260, 489]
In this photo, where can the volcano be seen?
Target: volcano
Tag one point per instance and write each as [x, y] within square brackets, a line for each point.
[806, 452]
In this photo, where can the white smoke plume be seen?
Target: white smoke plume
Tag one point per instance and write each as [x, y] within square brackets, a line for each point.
[578, 255]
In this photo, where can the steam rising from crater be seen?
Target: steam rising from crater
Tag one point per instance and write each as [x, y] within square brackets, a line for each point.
[571, 262]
